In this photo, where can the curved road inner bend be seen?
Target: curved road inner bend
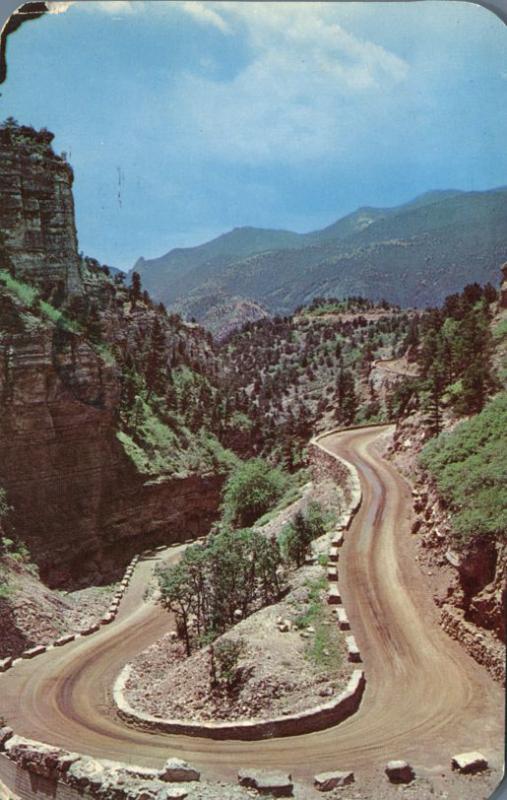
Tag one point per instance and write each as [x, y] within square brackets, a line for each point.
[425, 699]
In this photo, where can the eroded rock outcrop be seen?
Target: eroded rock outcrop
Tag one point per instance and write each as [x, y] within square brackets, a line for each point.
[68, 333]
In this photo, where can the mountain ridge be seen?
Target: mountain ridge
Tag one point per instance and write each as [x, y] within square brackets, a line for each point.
[412, 254]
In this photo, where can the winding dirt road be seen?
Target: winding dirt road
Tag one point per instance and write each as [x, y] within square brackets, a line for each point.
[425, 698]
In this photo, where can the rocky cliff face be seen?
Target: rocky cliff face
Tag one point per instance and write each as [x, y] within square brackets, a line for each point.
[79, 501]
[37, 208]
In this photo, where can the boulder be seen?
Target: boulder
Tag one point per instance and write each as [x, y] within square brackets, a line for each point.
[5, 664]
[86, 773]
[172, 793]
[152, 790]
[326, 781]
[400, 772]
[40, 759]
[175, 769]
[469, 763]
[334, 553]
[5, 734]
[416, 525]
[277, 784]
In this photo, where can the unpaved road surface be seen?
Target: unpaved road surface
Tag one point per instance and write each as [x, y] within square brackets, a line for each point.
[425, 699]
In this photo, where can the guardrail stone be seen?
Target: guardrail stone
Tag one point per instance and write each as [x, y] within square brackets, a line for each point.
[276, 784]
[175, 769]
[64, 640]
[353, 650]
[469, 763]
[334, 597]
[399, 772]
[326, 781]
[34, 651]
[343, 620]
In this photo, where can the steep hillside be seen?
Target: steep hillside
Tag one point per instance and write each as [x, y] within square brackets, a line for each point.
[451, 441]
[412, 255]
[285, 377]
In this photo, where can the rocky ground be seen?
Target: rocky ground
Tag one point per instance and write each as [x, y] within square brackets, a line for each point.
[293, 653]
[287, 665]
[32, 614]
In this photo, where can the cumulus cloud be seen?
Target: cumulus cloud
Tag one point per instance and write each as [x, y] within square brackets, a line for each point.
[301, 94]
[58, 7]
[204, 14]
[302, 90]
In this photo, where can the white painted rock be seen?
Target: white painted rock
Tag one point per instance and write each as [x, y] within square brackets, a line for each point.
[400, 772]
[326, 781]
[333, 597]
[469, 763]
[343, 620]
[277, 784]
[175, 769]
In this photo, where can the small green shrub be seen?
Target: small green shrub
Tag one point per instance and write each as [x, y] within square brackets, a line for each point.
[251, 490]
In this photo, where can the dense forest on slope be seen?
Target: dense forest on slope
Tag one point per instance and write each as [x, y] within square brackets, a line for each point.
[284, 377]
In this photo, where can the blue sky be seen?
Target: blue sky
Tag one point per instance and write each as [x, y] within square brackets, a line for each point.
[185, 119]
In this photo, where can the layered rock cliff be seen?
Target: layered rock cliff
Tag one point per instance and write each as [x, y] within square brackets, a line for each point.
[37, 208]
[74, 349]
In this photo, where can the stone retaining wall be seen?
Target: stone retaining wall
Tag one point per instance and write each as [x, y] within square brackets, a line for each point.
[313, 719]
[26, 785]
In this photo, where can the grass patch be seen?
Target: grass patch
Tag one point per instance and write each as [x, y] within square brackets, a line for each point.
[23, 291]
[324, 648]
[499, 330]
[470, 471]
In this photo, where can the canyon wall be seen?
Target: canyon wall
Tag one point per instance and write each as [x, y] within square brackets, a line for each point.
[37, 208]
[77, 499]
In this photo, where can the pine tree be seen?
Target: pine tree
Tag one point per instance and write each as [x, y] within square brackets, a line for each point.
[135, 290]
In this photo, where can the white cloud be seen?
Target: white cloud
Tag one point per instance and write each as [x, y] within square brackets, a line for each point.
[302, 94]
[58, 7]
[203, 13]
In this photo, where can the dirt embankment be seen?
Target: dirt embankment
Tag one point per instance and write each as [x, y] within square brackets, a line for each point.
[468, 581]
[31, 614]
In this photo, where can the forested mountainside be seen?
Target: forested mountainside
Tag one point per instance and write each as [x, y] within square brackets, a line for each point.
[99, 446]
[120, 422]
[412, 255]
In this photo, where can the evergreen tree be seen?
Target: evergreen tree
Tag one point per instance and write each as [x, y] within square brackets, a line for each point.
[135, 290]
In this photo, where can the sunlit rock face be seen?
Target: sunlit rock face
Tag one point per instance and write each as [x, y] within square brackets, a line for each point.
[37, 208]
